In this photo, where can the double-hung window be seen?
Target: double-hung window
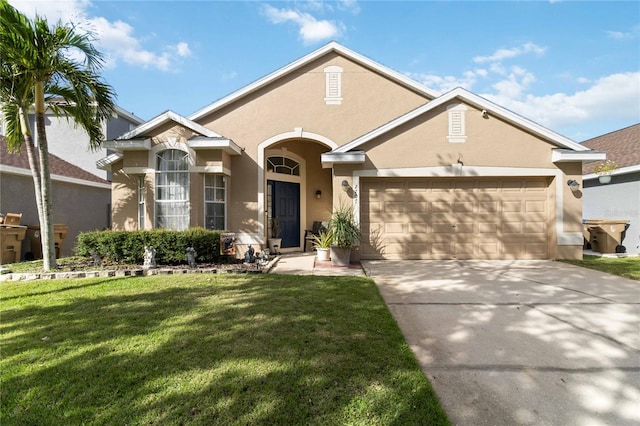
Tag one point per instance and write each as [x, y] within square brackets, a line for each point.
[215, 198]
[172, 190]
[141, 208]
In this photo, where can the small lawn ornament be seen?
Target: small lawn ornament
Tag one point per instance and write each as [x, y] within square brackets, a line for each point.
[249, 255]
[96, 259]
[191, 257]
[149, 257]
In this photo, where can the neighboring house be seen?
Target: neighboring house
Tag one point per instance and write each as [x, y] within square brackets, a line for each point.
[619, 199]
[81, 200]
[72, 143]
[429, 175]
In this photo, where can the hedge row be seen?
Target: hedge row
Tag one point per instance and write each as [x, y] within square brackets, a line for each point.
[127, 247]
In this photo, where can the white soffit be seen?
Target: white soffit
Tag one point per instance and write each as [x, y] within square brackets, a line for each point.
[224, 144]
[128, 145]
[330, 47]
[328, 159]
[106, 162]
[478, 102]
[567, 155]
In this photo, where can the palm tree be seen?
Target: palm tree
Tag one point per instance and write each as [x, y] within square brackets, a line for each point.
[37, 70]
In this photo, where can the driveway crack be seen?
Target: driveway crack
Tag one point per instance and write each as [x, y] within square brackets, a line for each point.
[584, 330]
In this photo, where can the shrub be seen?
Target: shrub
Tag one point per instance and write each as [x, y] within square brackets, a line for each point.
[171, 246]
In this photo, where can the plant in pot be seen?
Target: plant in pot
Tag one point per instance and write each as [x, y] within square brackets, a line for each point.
[322, 244]
[603, 169]
[345, 233]
[275, 242]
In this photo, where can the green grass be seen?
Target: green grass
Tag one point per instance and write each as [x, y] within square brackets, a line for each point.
[207, 349]
[628, 267]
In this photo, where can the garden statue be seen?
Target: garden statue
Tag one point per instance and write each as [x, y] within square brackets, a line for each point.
[149, 257]
[249, 255]
[95, 258]
[191, 257]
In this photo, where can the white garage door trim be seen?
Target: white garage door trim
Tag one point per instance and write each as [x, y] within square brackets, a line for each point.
[457, 170]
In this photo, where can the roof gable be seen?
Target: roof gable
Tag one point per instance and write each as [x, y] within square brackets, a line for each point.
[297, 64]
[164, 118]
[474, 100]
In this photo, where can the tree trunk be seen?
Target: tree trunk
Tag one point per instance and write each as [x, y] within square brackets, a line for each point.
[33, 160]
[46, 222]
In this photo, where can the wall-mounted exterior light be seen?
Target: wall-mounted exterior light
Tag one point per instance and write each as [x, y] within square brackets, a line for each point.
[573, 184]
[318, 194]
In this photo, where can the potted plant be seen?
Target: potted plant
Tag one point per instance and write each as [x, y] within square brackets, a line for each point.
[345, 233]
[603, 169]
[322, 244]
[275, 242]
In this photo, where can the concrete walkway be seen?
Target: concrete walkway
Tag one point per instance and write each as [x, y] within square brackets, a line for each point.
[306, 264]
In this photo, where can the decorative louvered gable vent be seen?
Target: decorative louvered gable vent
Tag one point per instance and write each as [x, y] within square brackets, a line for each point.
[457, 130]
[333, 85]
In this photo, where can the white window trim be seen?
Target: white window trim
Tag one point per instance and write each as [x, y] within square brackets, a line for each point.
[226, 198]
[142, 202]
[154, 153]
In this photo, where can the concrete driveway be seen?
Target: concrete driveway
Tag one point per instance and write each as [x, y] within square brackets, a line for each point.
[520, 342]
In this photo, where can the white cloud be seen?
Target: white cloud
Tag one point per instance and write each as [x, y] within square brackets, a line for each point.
[609, 97]
[624, 35]
[116, 40]
[349, 5]
[501, 54]
[446, 83]
[613, 96]
[311, 30]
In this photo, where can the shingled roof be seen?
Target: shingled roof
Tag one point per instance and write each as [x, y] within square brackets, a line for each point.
[621, 146]
[59, 167]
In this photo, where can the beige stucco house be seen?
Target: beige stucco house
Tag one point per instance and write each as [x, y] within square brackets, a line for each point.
[429, 175]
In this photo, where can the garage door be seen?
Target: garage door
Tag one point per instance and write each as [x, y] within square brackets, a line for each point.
[459, 218]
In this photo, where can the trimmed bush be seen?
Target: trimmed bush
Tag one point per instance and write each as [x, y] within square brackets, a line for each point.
[127, 247]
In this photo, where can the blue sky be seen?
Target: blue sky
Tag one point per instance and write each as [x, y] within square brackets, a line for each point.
[571, 66]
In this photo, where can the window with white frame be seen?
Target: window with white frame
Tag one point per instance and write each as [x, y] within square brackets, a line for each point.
[333, 85]
[215, 198]
[141, 208]
[172, 189]
[283, 165]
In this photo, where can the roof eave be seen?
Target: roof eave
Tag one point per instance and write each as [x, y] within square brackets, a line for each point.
[106, 162]
[621, 171]
[567, 155]
[328, 159]
[224, 144]
[128, 145]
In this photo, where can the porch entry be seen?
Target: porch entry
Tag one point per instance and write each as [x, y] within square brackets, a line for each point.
[284, 200]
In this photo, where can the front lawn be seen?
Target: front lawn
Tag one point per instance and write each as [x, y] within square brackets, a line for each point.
[207, 349]
[628, 267]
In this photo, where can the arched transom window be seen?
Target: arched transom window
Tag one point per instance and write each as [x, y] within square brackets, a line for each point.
[172, 189]
[283, 165]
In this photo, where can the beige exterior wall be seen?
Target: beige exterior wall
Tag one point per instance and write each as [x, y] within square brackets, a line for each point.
[489, 142]
[124, 199]
[297, 101]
